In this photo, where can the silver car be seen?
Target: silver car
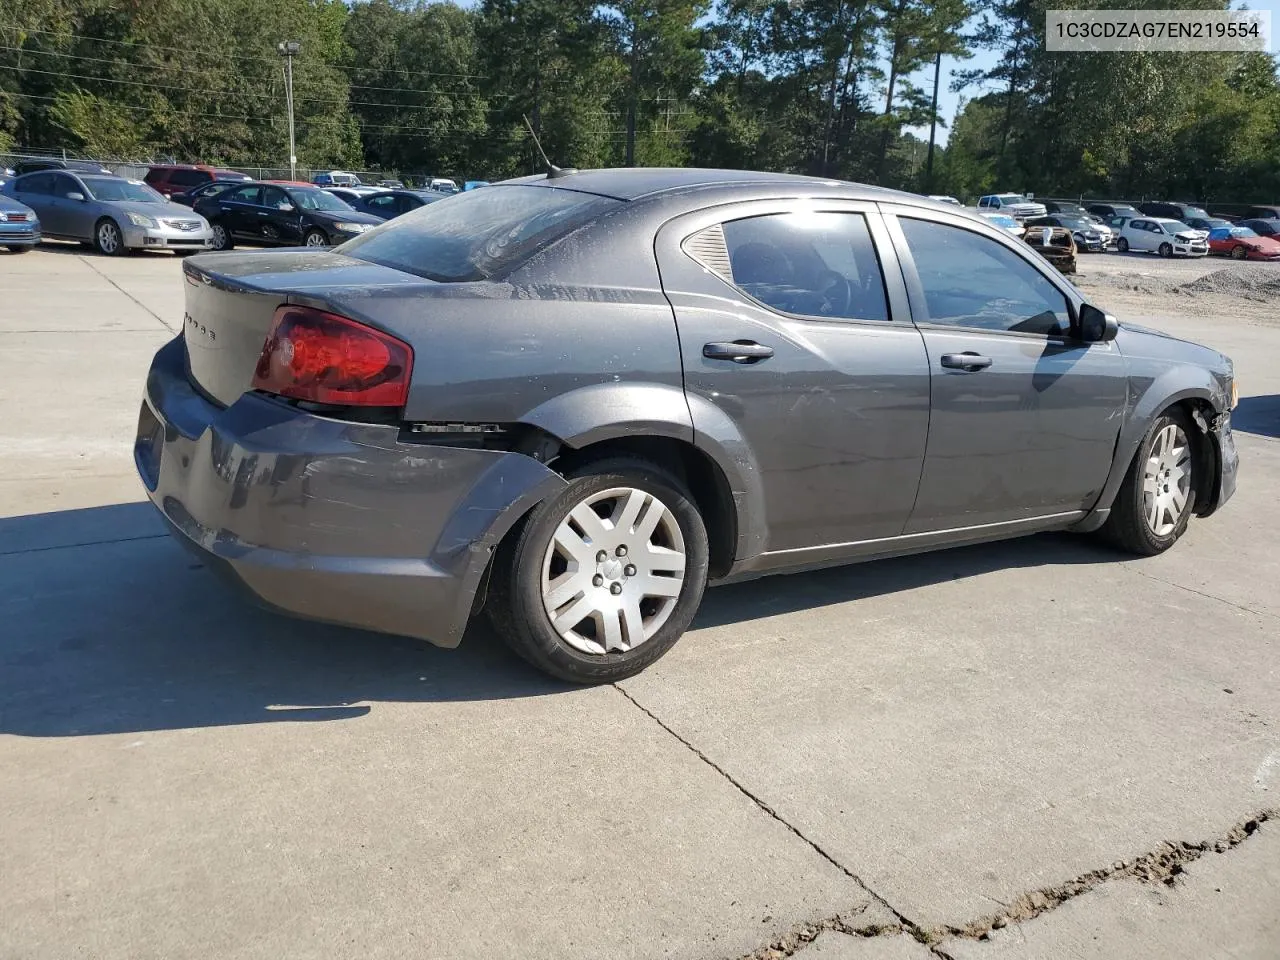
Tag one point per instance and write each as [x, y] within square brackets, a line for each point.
[111, 213]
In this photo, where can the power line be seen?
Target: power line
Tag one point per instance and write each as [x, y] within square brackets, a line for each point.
[186, 51]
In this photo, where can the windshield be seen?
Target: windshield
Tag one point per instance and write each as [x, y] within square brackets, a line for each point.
[308, 198]
[1077, 223]
[1175, 226]
[103, 188]
[1010, 198]
[1242, 232]
[480, 234]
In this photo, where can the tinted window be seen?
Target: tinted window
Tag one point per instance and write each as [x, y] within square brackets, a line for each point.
[188, 178]
[973, 281]
[275, 197]
[63, 184]
[39, 183]
[243, 195]
[384, 206]
[812, 264]
[478, 235]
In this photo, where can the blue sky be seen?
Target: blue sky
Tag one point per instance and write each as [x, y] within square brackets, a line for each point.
[983, 60]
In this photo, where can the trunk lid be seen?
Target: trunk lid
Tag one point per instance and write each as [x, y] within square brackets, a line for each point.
[231, 297]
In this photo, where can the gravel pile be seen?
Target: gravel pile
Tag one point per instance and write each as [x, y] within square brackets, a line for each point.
[1258, 283]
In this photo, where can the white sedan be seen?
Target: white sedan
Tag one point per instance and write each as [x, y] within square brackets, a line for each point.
[1169, 238]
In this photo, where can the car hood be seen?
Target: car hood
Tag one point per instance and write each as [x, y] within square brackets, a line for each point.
[349, 216]
[143, 207]
[1191, 234]
[1135, 340]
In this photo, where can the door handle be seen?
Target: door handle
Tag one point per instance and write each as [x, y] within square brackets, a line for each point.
[739, 351]
[967, 361]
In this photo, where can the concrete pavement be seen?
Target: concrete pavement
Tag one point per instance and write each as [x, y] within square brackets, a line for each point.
[968, 754]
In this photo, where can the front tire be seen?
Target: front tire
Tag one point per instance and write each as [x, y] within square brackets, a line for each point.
[1158, 495]
[604, 578]
[107, 239]
[1239, 253]
[316, 238]
[1166, 251]
[1122, 245]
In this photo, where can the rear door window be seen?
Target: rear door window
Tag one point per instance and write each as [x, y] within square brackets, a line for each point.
[479, 235]
[251, 194]
[808, 264]
[38, 183]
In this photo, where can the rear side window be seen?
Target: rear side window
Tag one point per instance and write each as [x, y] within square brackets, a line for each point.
[808, 263]
[973, 281]
[39, 183]
[478, 235]
[189, 178]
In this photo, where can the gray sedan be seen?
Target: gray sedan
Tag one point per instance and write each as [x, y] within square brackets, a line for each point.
[112, 213]
[575, 400]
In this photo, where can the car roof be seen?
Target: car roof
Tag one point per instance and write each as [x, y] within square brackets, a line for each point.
[634, 183]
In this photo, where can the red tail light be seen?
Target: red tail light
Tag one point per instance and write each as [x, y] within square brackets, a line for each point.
[324, 358]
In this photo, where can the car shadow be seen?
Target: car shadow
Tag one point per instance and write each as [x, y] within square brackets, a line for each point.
[110, 627]
[1258, 415]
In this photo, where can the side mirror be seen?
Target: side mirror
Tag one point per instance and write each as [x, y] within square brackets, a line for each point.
[1096, 326]
[75, 195]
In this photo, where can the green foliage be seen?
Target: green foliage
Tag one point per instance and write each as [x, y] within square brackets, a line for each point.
[826, 87]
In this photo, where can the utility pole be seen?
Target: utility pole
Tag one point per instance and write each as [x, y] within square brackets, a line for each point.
[290, 49]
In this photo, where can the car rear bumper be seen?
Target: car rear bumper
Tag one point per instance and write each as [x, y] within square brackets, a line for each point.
[327, 519]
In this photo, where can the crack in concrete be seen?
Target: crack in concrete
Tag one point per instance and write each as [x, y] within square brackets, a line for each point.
[1163, 865]
[89, 263]
[82, 543]
[787, 944]
[1207, 596]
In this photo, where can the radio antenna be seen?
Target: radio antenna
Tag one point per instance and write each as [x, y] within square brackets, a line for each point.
[552, 170]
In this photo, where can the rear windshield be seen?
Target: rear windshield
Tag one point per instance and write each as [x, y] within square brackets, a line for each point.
[479, 234]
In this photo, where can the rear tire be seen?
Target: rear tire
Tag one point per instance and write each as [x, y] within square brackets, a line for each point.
[221, 236]
[107, 238]
[1122, 245]
[609, 639]
[1147, 516]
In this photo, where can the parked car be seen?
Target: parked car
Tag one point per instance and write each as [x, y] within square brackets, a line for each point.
[1013, 204]
[1182, 212]
[392, 203]
[111, 213]
[210, 189]
[168, 179]
[1109, 211]
[460, 398]
[1263, 228]
[475, 184]
[1262, 213]
[1207, 224]
[19, 225]
[336, 178]
[1004, 221]
[442, 185]
[391, 184]
[1169, 238]
[1087, 234]
[944, 199]
[279, 215]
[1241, 243]
[56, 163]
[1066, 206]
[347, 195]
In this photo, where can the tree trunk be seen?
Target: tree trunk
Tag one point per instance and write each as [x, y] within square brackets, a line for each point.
[933, 120]
[831, 101]
[631, 101]
[888, 109]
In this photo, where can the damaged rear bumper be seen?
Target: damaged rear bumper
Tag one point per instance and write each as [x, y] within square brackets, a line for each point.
[327, 519]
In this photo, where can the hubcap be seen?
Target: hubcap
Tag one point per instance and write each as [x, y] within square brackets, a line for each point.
[1166, 481]
[613, 571]
[315, 240]
[219, 236]
[107, 237]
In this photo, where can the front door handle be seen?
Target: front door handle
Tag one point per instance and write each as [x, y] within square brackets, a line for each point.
[967, 361]
[739, 351]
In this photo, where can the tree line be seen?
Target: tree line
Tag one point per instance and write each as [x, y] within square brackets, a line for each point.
[837, 88]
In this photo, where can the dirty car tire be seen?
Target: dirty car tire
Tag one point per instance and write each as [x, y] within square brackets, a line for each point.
[515, 602]
[1122, 245]
[1127, 526]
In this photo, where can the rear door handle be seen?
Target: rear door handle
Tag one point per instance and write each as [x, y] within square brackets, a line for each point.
[739, 351]
[968, 361]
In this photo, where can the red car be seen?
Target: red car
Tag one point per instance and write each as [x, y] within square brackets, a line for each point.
[1241, 243]
[171, 178]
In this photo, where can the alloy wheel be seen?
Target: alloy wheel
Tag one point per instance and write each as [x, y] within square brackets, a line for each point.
[613, 571]
[316, 239]
[108, 237]
[1166, 480]
[219, 237]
